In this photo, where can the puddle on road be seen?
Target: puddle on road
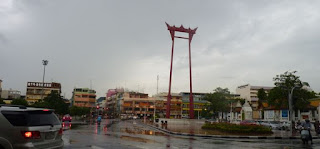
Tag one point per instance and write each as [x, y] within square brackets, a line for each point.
[142, 132]
[137, 139]
[73, 141]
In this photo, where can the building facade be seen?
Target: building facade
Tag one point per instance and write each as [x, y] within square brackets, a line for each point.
[250, 93]
[9, 95]
[113, 106]
[136, 104]
[175, 108]
[84, 97]
[35, 90]
[199, 103]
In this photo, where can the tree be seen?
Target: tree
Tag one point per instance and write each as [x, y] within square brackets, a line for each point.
[262, 95]
[1, 101]
[218, 101]
[19, 101]
[53, 101]
[278, 96]
[79, 111]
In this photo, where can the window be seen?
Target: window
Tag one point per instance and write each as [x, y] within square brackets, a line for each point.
[31, 118]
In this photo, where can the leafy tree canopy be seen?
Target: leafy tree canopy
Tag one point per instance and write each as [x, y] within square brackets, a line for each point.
[78, 111]
[262, 95]
[53, 101]
[1, 101]
[218, 101]
[19, 101]
[284, 83]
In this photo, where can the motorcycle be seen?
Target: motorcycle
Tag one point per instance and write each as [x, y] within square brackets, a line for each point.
[99, 120]
[305, 136]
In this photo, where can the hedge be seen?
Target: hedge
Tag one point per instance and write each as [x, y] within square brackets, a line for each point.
[240, 129]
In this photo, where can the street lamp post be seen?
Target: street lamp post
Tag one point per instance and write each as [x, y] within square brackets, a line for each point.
[45, 63]
[290, 108]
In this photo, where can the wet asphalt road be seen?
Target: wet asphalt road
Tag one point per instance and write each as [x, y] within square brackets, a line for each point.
[133, 134]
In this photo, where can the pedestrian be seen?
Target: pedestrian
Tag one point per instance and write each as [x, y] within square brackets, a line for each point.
[307, 125]
[316, 126]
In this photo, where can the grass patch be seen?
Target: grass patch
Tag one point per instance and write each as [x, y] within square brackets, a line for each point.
[239, 129]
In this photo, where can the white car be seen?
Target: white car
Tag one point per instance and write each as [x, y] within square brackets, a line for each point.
[271, 124]
[134, 117]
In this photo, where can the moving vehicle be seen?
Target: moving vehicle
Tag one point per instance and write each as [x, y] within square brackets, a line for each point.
[66, 117]
[99, 119]
[26, 127]
[305, 137]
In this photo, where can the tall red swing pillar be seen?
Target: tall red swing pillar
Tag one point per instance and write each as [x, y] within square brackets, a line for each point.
[191, 32]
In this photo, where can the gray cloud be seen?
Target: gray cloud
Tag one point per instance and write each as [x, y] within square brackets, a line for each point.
[126, 43]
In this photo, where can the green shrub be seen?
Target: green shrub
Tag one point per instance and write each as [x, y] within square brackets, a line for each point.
[241, 129]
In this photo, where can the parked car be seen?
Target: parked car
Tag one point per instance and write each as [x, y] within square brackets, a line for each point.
[66, 117]
[248, 122]
[135, 117]
[26, 127]
[272, 124]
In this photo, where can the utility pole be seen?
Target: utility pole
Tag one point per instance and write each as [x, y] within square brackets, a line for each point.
[231, 114]
[154, 108]
[291, 108]
[45, 63]
[157, 83]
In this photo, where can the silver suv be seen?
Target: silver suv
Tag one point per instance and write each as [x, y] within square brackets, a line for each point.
[26, 127]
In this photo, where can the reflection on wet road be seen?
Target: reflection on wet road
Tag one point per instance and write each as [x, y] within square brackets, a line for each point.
[133, 134]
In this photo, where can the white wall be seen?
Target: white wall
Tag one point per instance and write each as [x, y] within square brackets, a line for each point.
[244, 92]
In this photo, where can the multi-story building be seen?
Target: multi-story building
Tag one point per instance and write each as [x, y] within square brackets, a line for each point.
[198, 103]
[250, 93]
[35, 90]
[84, 97]
[175, 108]
[9, 95]
[137, 104]
[113, 102]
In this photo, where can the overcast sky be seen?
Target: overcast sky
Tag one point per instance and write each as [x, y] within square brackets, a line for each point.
[127, 44]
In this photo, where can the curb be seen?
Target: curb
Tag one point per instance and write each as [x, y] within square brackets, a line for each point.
[228, 137]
